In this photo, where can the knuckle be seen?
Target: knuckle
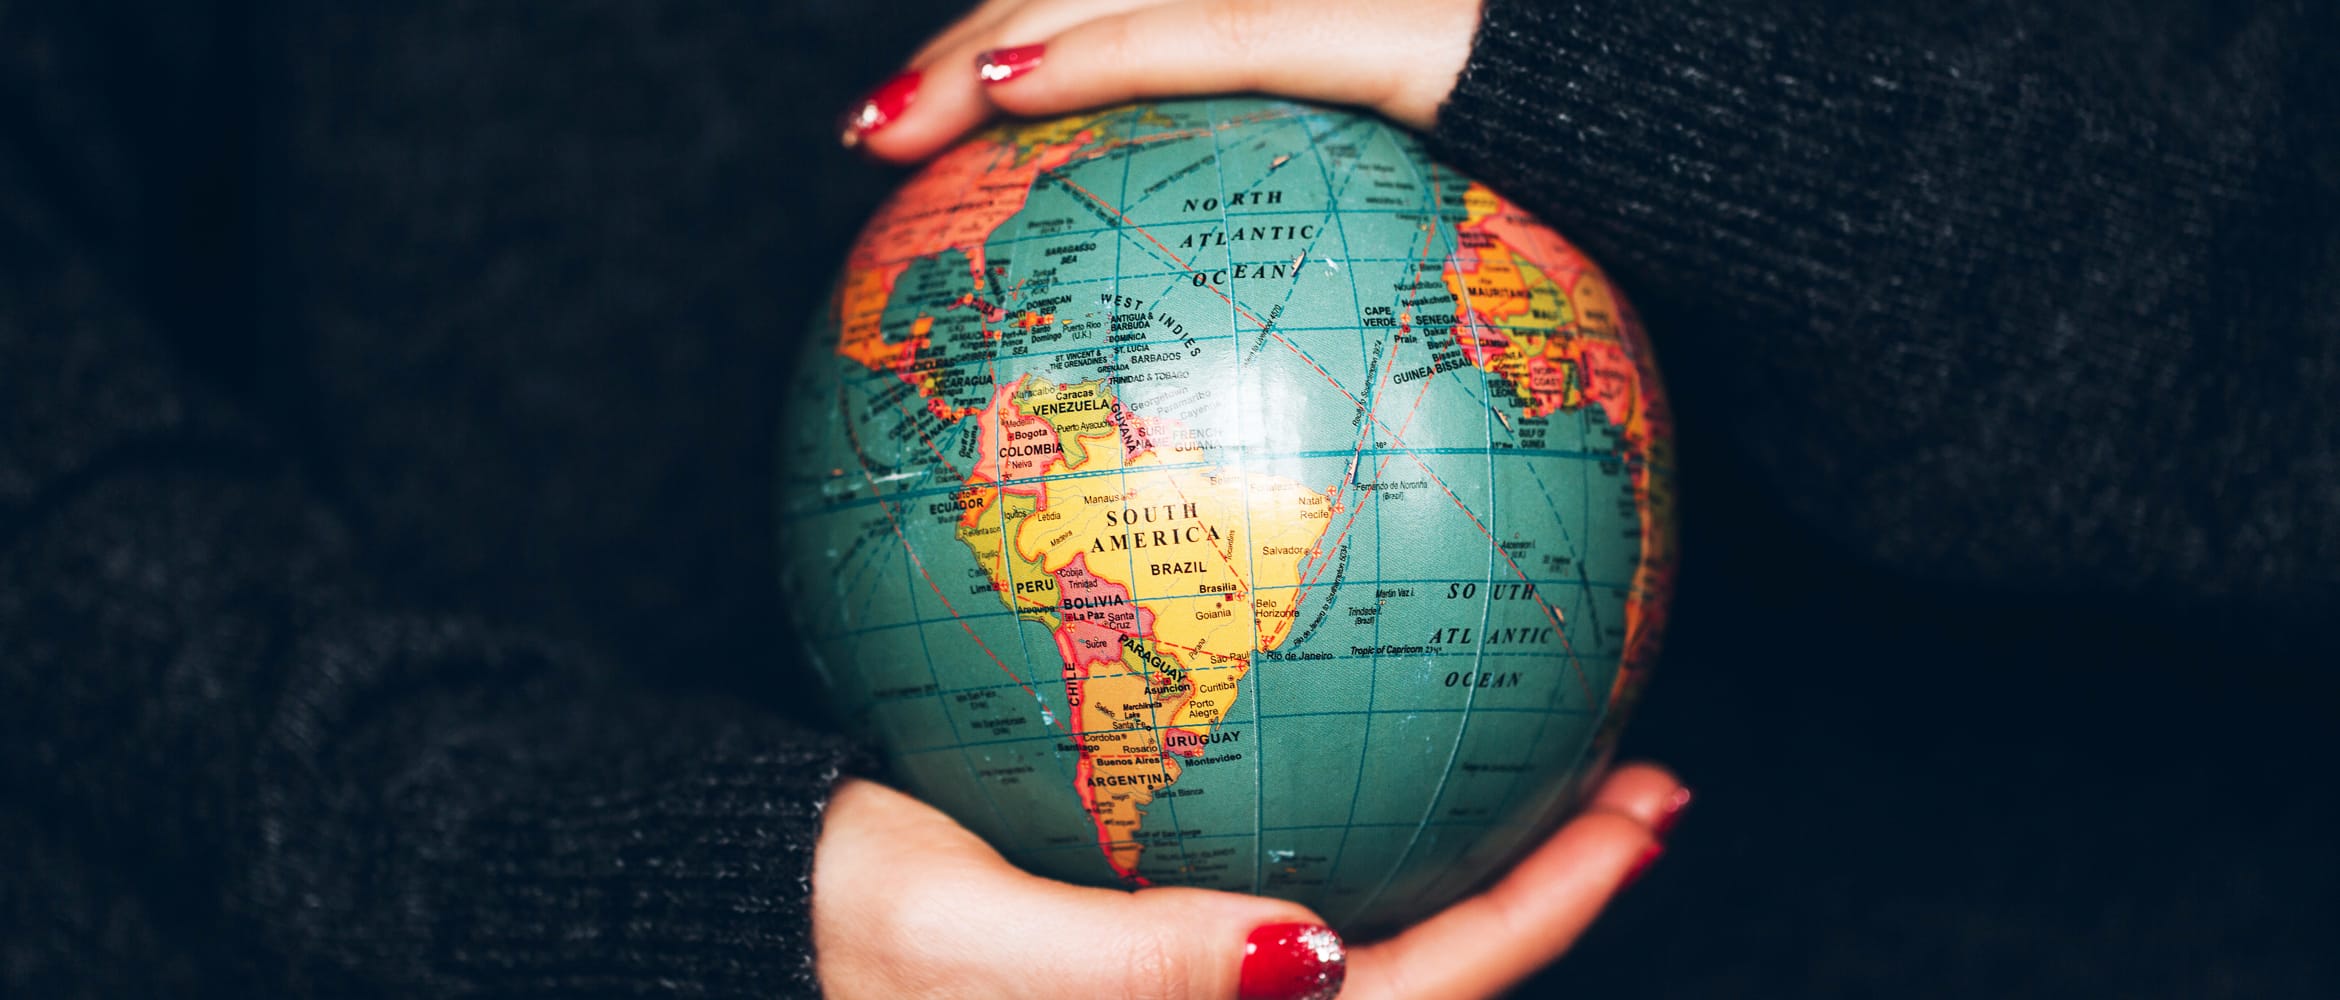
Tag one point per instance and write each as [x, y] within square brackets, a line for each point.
[1111, 42]
[1020, 28]
[1236, 23]
[1401, 979]
[1153, 967]
[1238, 28]
[914, 940]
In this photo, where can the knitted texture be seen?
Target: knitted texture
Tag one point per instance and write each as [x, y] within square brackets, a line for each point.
[344, 801]
[386, 396]
[2014, 294]
[249, 747]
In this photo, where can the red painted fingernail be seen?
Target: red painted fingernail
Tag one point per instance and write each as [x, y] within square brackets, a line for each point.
[1670, 812]
[1293, 962]
[1002, 65]
[880, 108]
[1649, 856]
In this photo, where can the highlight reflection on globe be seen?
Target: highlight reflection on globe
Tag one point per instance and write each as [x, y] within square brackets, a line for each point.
[1220, 493]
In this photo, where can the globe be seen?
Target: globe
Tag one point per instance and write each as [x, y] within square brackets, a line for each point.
[1221, 493]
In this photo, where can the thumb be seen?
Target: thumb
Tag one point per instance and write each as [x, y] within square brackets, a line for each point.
[907, 903]
[1399, 58]
[1183, 943]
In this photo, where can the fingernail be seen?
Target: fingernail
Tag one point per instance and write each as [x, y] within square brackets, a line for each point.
[1670, 812]
[1649, 856]
[1293, 962]
[880, 108]
[1002, 65]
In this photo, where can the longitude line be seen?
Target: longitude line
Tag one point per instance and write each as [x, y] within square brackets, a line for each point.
[910, 584]
[1494, 546]
[1153, 713]
[999, 498]
[1365, 430]
[1251, 562]
[1250, 538]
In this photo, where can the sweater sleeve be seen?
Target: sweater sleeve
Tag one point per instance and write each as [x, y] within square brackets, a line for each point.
[2020, 294]
[350, 800]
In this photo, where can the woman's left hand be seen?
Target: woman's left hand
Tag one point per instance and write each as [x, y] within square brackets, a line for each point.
[1043, 57]
[908, 903]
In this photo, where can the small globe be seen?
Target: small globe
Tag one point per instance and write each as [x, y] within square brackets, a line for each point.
[1221, 493]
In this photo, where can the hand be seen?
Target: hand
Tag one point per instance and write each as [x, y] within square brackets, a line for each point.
[1043, 57]
[907, 903]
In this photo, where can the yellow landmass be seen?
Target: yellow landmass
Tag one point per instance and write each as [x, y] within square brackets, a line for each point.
[1121, 757]
[1570, 341]
[1209, 558]
[1077, 411]
[1524, 333]
[1020, 583]
[1539, 308]
[1215, 554]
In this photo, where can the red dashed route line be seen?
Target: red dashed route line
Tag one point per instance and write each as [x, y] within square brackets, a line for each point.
[1429, 238]
[1172, 480]
[1397, 438]
[1246, 314]
[1077, 157]
[911, 416]
[1356, 456]
[1429, 235]
[1559, 627]
[1396, 435]
[1225, 558]
[1100, 203]
[1000, 491]
[1558, 623]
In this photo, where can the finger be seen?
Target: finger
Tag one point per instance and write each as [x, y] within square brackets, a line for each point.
[1212, 945]
[1400, 58]
[1169, 943]
[908, 903]
[1489, 942]
[942, 99]
[1648, 793]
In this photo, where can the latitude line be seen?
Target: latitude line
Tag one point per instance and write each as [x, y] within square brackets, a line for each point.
[1329, 713]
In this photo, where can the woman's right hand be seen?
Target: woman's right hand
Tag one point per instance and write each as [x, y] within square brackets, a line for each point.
[1399, 58]
[908, 903]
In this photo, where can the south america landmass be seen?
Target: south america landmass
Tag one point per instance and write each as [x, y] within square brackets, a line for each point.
[1159, 576]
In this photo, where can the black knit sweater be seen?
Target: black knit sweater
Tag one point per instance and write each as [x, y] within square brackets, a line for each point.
[2030, 295]
[386, 399]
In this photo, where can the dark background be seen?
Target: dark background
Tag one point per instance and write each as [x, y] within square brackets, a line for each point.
[1906, 790]
[516, 288]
